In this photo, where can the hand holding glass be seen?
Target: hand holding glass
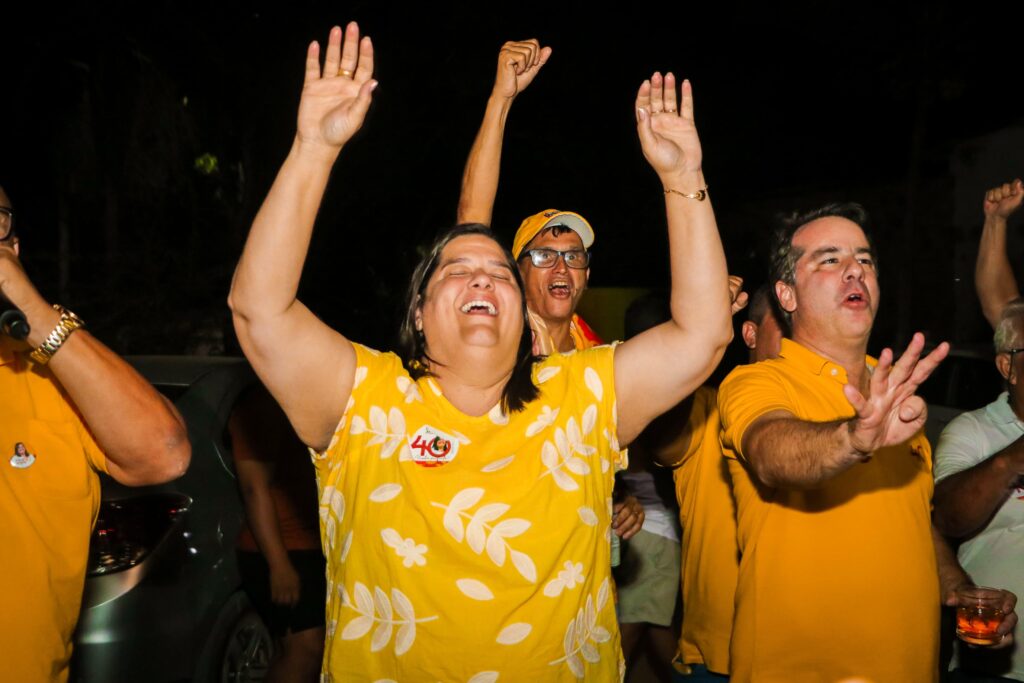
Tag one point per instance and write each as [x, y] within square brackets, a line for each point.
[978, 615]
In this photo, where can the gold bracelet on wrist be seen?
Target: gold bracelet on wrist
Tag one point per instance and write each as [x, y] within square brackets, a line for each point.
[699, 195]
[68, 323]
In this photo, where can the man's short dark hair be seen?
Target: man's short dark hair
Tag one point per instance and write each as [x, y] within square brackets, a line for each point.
[783, 255]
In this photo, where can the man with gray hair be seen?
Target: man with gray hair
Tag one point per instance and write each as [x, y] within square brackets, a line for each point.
[979, 496]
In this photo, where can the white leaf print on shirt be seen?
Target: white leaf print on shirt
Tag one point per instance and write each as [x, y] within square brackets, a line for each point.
[360, 375]
[346, 546]
[583, 633]
[545, 419]
[587, 515]
[377, 608]
[567, 579]
[496, 465]
[385, 492]
[514, 633]
[479, 533]
[497, 415]
[388, 430]
[408, 389]
[477, 590]
[408, 549]
[562, 456]
[593, 382]
[484, 677]
[547, 373]
[332, 512]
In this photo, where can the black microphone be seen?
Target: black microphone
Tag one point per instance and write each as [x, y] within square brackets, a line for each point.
[14, 324]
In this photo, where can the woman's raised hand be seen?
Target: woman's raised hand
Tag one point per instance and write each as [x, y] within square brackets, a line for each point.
[336, 97]
[668, 134]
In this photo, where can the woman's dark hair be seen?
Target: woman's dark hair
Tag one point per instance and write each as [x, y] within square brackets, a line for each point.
[412, 344]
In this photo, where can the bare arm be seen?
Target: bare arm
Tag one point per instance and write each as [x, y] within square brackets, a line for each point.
[308, 367]
[951, 575]
[787, 452]
[518, 64]
[658, 368]
[784, 451]
[141, 434]
[993, 275]
[965, 501]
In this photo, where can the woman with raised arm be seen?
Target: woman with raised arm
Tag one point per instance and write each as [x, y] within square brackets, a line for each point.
[465, 488]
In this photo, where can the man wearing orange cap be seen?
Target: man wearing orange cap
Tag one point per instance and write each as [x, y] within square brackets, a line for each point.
[551, 247]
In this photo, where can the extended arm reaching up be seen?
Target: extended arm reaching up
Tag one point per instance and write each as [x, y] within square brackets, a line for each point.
[518, 64]
[993, 275]
[307, 366]
[658, 368]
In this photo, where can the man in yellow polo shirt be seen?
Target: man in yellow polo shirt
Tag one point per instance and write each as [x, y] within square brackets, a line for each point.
[832, 478]
[707, 514]
[60, 423]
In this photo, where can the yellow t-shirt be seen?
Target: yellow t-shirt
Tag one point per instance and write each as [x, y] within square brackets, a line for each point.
[471, 548]
[49, 498]
[710, 552]
[838, 581]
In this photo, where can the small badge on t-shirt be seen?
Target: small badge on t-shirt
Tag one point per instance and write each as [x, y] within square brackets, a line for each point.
[431, 447]
[21, 458]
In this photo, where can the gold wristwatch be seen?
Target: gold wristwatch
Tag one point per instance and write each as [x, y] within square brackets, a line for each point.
[68, 323]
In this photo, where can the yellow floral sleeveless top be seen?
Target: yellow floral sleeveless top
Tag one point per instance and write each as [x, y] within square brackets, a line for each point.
[471, 549]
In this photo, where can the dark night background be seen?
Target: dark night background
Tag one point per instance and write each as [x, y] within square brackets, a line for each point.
[136, 144]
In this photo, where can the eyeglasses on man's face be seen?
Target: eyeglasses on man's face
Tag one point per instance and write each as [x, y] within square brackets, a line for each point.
[546, 258]
[6, 222]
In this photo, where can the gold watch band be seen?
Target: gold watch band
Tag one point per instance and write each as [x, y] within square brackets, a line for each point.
[68, 323]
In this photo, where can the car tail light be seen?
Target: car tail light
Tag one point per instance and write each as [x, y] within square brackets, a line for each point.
[128, 530]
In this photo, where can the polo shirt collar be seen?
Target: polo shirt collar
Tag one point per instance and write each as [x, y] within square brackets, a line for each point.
[1000, 410]
[803, 357]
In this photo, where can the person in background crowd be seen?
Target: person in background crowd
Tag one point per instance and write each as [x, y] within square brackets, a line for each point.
[279, 554]
[69, 408]
[980, 456]
[686, 439]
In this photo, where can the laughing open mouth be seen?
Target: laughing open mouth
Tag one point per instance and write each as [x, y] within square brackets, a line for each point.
[559, 286]
[480, 307]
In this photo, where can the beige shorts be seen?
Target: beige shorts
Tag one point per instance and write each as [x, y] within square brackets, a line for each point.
[648, 592]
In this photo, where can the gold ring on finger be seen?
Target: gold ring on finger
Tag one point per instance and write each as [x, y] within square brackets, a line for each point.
[670, 111]
[346, 73]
